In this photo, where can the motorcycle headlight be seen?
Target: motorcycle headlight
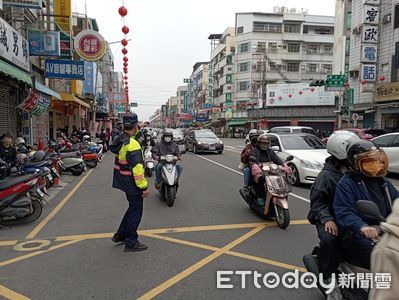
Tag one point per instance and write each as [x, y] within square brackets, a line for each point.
[169, 158]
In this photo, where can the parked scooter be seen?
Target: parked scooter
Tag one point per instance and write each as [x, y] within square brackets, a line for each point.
[169, 178]
[277, 190]
[148, 162]
[21, 198]
[368, 211]
[71, 161]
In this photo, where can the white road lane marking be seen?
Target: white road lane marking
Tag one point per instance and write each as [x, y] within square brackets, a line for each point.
[231, 147]
[240, 173]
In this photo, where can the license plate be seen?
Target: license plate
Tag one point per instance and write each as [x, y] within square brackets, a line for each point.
[212, 148]
[41, 194]
[49, 177]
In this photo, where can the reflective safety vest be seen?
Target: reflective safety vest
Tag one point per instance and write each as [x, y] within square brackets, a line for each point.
[129, 168]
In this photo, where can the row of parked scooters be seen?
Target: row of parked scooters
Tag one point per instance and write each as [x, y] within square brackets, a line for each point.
[24, 183]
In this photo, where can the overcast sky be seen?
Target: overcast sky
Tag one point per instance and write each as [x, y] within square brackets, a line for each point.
[170, 36]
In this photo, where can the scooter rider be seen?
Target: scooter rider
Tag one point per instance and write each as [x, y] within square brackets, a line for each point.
[253, 138]
[263, 154]
[147, 140]
[322, 193]
[166, 146]
[366, 181]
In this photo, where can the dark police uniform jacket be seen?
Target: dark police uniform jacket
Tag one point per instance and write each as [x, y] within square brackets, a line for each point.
[129, 165]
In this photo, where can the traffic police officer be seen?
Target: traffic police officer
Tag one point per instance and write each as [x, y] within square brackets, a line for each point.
[129, 178]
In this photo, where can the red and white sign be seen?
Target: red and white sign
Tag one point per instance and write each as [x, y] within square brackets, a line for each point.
[89, 45]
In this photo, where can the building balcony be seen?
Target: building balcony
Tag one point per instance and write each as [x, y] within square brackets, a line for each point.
[288, 36]
[318, 38]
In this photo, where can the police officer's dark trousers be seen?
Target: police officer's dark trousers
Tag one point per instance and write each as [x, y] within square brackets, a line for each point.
[131, 220]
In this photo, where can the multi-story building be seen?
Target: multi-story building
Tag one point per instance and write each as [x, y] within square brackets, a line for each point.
[284, 46]
[342, 35]
[374, 63]
[221, 75]
[198, 90]
[183, 117]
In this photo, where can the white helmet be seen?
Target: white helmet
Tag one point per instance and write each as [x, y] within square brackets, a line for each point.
[22, 158]
[86, 138]
[339, 142]
[19, 141]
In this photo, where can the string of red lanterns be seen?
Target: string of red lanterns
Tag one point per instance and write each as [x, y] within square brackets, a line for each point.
[125, 30]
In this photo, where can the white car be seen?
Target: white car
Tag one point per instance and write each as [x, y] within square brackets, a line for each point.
[390, 143]
[309, 154]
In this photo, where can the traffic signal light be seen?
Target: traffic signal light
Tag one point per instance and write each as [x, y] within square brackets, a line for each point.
[317, 83]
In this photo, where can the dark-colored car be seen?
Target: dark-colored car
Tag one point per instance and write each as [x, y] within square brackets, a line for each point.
[203, 141]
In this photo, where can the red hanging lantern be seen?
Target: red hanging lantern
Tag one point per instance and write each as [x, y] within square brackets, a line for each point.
[124, 42]
[300, 92]
[125, 29]
[290, 95]
[279, 98]
[382, 78]
[125, 64]
[125, 59]
[347, 85]
[124, 51]
[122, 11]
[125, 71]
[125, 77]
[312, 89]
[363, 81]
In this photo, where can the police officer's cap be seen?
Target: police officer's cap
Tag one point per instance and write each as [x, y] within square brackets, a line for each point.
[130, 119]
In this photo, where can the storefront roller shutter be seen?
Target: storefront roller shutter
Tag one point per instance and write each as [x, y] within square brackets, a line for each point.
[8, 111]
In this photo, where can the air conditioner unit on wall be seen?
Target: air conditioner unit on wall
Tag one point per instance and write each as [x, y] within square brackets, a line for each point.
[386, 19]
[357, 30]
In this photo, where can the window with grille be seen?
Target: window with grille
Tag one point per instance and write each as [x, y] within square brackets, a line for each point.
[240, 29]
[242, 86]
[293, 67]
[242, 48]
[293, 47]
[272, 47]
[267, 27]
[292, 28]
[312, 68]
[243, 67]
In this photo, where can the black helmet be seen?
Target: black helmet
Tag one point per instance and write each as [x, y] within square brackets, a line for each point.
[366, 158]
[263, 142]
[130, 119]
[167, 133]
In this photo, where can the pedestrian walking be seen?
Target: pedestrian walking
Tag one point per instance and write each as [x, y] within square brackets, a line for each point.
[107, 137]
[129, 178]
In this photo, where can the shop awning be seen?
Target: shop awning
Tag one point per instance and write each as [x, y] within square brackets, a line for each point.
[46, 90]
[14, 72]
[68, 97]
[207, 123]
[235, 122]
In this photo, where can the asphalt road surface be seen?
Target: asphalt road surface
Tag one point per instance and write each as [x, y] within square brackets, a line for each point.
[68, 253]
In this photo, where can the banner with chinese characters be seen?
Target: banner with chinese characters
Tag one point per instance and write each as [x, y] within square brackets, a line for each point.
[369, 53]
[370, 34]
[13, 46]
[387, 92]
[33, 4]
[63, 11]
[36, 103]
[44, 43]
[371, 15]
[63, 68]
[368, 73]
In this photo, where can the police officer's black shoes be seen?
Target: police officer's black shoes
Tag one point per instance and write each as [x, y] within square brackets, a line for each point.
[136, 247]
[117, 238]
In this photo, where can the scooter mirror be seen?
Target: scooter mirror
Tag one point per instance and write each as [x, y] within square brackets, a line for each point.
[289, 158]
[369, 210]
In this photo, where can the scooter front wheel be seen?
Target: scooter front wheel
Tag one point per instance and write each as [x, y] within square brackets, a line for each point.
[282, 217]
[37, 209]
[170, 196]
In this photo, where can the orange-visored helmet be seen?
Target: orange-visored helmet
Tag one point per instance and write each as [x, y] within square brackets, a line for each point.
[366, 158]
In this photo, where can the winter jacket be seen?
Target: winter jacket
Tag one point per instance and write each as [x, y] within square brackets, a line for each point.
[246, 152]
[129, 165]
[257, 156]
[322, 192]
[385, 257]
[163, 148]
[349, 190]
